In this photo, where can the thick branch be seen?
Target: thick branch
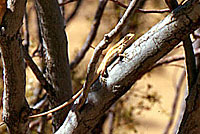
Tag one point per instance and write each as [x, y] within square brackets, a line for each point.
[104, 43]
[55, 44]
[141, 56]
[15, 112]
[190, 62]
[14, 86]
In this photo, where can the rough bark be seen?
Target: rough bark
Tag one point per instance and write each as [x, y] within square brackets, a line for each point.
[56, 57]
[141, 56]
[191, 120]
[15, 112]
[15, 106]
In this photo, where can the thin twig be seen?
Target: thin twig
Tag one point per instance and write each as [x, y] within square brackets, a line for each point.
[119, 3]
[142, 10]
[35, 123]
[37, 72]
[39, 48]
[175, 104]
[111, 116]
[153, 11]
[2, 123]
[182, 2]
[176, 65]
[103, 44]
[66, 2]
[40, 102]
[174, 58]
[91, 35]
[43, 123]
[71, 16]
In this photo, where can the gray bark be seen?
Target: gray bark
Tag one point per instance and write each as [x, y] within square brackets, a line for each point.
[56, 56]
[141, 56]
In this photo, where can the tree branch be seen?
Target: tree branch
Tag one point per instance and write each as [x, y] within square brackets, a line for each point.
[38, 73]
[14, 70]
[56, 56]
[175, 103]
[141, 56]
[91, 35]
[71, 16]
[104, 44]
[66, 2]
[153, 11]
[190, 62]
[141, 10]
[174, 58]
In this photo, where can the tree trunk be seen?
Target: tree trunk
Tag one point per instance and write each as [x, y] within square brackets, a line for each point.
[56, 56]
[15, 107]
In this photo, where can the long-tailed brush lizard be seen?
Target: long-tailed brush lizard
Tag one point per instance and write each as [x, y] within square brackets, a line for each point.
[111, 55]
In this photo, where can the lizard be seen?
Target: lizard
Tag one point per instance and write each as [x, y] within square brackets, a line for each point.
[112, 53]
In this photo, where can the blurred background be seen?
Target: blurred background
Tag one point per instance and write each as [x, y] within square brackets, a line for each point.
[155, 102]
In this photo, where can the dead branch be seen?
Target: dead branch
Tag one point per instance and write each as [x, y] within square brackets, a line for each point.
[91, 35]
[71, 16]
[175, 103]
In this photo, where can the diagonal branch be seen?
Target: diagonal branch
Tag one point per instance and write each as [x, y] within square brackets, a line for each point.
[119, 3]
[37, 72]
[92, 34]
[66, 2]
[71, 16]
[104, 43]
[141, 56]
